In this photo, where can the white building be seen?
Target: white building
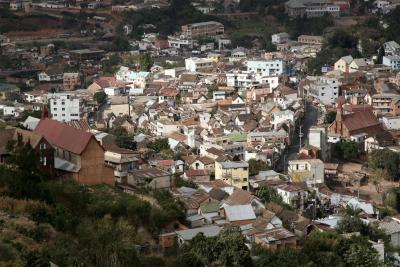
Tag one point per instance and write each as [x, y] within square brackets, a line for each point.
[292, 194]
[391, 123]
[307, 170]
[279, 38]
[195, 64]
[245, 79]
[136, 78]
[274, 67]
[179, 42]
[324, 89]
[317, 137]
[65, 107]
[392, 61]
[219, 95]
[279, 117]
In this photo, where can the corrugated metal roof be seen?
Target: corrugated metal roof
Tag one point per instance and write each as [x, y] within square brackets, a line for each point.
[239, 213]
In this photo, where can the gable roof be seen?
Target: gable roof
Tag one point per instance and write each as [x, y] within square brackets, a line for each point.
[64, 136]
[359, 120]
[239, 213]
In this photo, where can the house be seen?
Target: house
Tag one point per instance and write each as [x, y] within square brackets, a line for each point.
[153, 178]
[306, 170]
[43, 150]
[208, 29]
[311, 40]
[392, 229]
[184, 236]
[77, 153]
[359, 64]
[392, 61]
[122, 160]
[196, 176]
[386, 103]
[276, 239]
[238, 214]
[280, 117]
[65, 107]
[71, 81]
[195, 64]
[279, 38]
[51, 75]
[343, 64]
[311, 8]
[274, 67]
[391, 48]
[358, 121]
[203, 163]
[292, 194]
[322, 89]
[391, 122]
[235, 173]
[30, 123]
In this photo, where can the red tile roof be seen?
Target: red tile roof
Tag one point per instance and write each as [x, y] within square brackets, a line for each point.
[360, 120]
[63, 135]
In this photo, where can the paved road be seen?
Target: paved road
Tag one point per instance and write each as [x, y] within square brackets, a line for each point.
[310, 119]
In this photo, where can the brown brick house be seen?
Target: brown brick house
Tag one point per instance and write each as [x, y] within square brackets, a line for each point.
[77, 152]
[42, 147]
[357, 121]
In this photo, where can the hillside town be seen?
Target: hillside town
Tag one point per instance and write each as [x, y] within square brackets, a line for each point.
[275, 142]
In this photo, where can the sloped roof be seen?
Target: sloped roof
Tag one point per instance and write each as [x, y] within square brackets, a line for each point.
[239, 213]
[63, 135]
[240, 197]
[360, 120]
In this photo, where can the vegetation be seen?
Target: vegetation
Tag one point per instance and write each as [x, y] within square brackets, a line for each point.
[158, 145]
[347, 150]
[123, 138]
[268, 194]
[385, 159]
[90, 226]
[255, 166]
[100, 97]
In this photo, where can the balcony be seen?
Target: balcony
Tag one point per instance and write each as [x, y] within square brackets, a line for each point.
[120, 173]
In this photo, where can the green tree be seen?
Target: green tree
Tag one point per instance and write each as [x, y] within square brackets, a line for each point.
[145, 62]
[255, 166]
[347, 150]
[100, 97]
[330, 116]
[187, 259]
[385, 159]
[123, 138]
[159, 144]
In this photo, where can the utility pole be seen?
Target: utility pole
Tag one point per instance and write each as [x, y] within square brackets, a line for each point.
[315, 190]
[300, 136]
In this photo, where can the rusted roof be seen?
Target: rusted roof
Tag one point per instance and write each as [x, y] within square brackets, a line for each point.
[360, 119]
[240, 197]
[63, 135]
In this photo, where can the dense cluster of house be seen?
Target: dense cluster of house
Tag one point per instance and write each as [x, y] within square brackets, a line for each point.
[219, 110]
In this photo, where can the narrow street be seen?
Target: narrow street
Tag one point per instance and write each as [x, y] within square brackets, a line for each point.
[310, 119]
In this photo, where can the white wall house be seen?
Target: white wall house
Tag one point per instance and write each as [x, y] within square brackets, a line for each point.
[279, 38]
[392, 61]
[324, 89]
[391, 123]
[65, 107]
[195, 64]
[279, 117]
[137, 78]
[308, 170]
[266, 67]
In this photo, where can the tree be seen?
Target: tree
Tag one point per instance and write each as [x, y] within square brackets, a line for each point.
[186, 260]
[123, 138]
[108, 243]
[385, 159]
[211, 89]
[159, 144]
[351, 221]
[255, 166]
[376, 177]
[145, 62]
[100, 97]
[347, 150]
[330, 116]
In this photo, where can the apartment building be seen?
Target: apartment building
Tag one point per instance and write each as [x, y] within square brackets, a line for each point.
[195, 64]
[235, 173]
[71, 81]
[65, 107]
[311, 8]
[386, 103]
[202, 30]
[323, 89]
[262, 67]
[306, 170]
[311, 39]
[392, 61]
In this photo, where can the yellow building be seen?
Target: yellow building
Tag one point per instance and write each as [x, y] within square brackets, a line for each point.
[235, 173]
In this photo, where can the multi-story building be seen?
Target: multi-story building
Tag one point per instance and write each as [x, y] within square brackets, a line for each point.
[70, 81]
[323, 89]
[235, 173]
[266, 67]
[311, 39]
[178, 42]
[306, 170]
[276, 138]
[386, 103]
[392, 61]
[202, 30]
[311, 8]
[195, 64]
[246, 79]
[65, 107]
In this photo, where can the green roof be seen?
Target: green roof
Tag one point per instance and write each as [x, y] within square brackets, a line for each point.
[238, 137]
[7, 86]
